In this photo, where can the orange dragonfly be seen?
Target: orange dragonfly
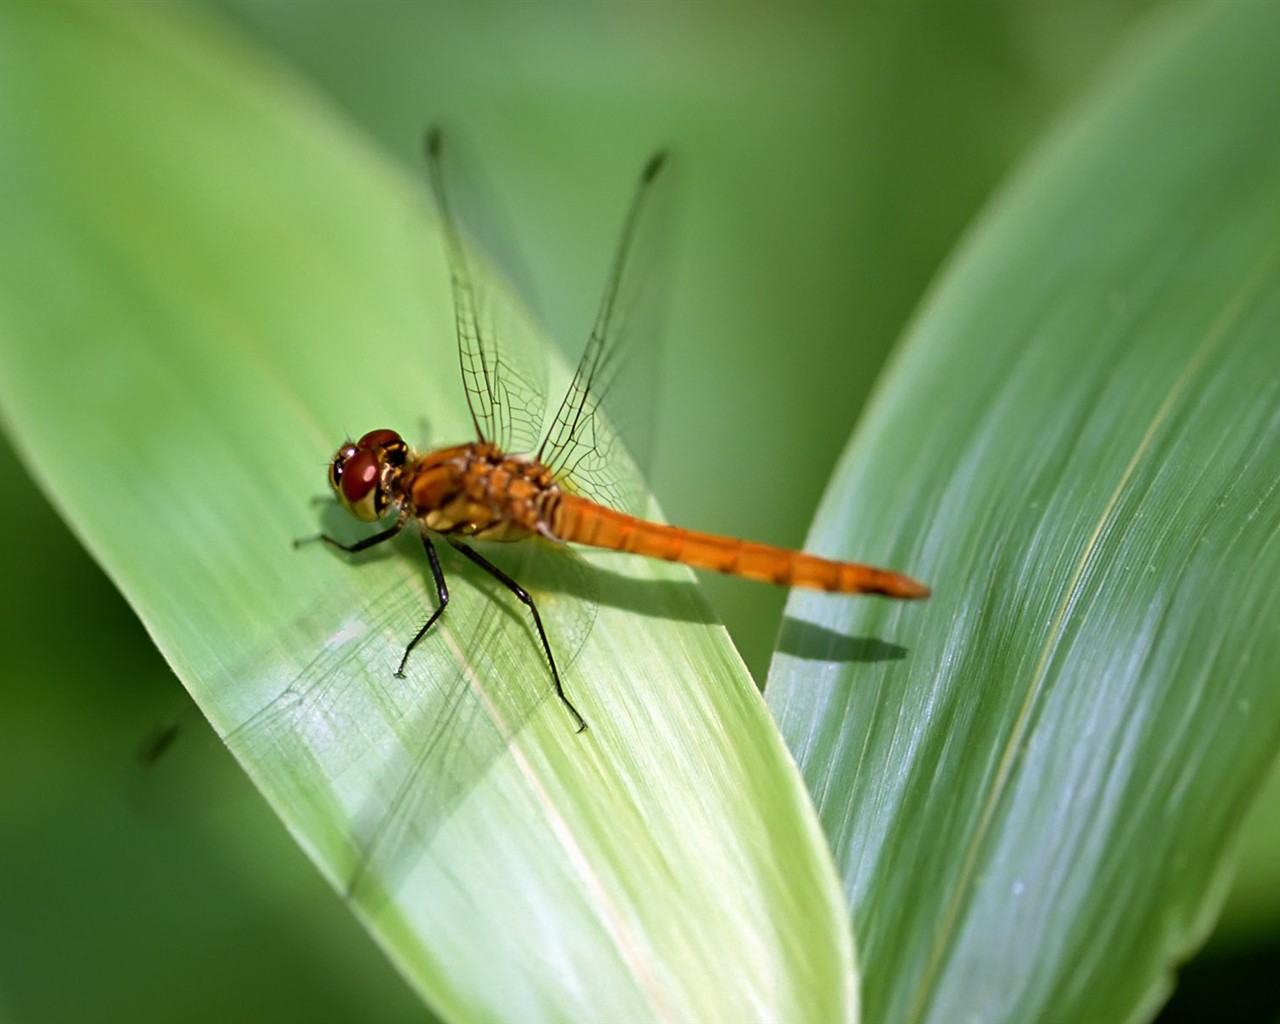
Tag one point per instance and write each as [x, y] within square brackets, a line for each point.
[484, 490]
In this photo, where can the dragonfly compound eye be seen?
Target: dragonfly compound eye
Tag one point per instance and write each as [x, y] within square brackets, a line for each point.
[359, 485]
[387, 444]
[383, 438]
[337, 465]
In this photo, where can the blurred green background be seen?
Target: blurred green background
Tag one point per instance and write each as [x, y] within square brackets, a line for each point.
[830, 158]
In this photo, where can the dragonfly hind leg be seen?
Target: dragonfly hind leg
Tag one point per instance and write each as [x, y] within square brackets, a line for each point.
[442, 592]
[523, 597]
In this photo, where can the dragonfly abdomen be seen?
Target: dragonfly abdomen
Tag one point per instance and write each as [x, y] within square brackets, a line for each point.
[581, 521]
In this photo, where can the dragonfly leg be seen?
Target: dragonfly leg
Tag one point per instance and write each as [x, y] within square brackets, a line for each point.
[359, 545]
[442, 592]
[523, 596]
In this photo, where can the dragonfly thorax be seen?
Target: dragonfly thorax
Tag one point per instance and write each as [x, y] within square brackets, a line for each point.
[362, 473]
[477, 490]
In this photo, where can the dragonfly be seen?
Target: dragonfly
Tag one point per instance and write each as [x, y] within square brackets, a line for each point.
[563, 489]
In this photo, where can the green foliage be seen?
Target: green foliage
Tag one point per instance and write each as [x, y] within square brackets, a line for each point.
[1031, 784]
[508, 865]
[1032, 804]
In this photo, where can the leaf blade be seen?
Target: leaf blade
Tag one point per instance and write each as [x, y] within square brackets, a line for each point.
[199, 285]
[1013, 805]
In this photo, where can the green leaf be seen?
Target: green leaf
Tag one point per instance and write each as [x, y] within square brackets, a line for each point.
[206, 279]
[1033, 793]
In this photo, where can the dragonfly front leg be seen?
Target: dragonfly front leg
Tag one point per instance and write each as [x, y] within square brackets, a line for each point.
[442, 592]
[359, 545]
[523, 596]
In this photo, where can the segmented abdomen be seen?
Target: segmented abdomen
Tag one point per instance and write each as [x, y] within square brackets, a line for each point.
[581, 521]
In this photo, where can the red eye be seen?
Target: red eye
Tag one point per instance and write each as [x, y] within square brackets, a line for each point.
[338, 463]
[378, 438]
[359, 476]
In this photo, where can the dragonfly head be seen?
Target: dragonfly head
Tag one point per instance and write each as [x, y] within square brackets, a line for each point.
[362, 472]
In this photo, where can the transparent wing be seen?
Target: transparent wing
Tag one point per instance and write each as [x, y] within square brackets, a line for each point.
[584, 449]
[502, 379]
[382, 763]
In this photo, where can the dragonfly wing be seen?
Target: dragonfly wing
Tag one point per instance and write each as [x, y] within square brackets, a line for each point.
[381, 763]
[446, 747]
[503, 372]
[618, 369]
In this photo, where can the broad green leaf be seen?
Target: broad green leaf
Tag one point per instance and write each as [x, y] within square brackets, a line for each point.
[1033, 795]
[206, 280]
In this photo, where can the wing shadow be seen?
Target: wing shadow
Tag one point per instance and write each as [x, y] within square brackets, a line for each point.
[811, 642]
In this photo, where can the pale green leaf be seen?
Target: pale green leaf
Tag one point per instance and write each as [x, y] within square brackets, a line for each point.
[206, 280]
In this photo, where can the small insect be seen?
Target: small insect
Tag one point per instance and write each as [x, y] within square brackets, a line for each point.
[482, 490]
